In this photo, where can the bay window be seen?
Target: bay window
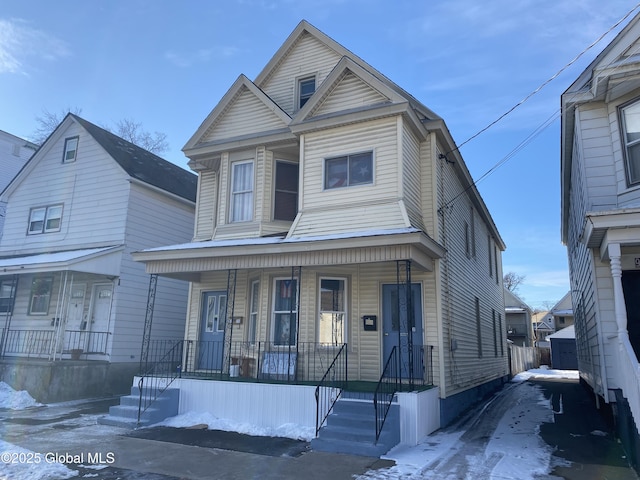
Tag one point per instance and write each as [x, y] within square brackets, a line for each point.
[332, 315]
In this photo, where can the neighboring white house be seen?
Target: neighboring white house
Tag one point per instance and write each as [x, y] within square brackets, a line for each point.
[601, 224]
[69, 287]
[14, 153]
[335, 219]
[518, 320]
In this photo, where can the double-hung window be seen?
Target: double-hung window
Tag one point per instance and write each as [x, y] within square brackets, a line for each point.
[348, 170]
[631, 141]
[285, 311]
[40, 295]
[332, 312]
[306, 88]
[70, 150]
[242, 191]
[7, 294]
[252, 327]
[45, 219]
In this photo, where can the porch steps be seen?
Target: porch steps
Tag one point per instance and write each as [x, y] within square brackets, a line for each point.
[351, 429]
[126, 414]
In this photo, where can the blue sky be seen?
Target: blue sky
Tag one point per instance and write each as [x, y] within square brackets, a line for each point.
[166, 64]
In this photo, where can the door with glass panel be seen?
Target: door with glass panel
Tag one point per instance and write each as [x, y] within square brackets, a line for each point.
[212, 325]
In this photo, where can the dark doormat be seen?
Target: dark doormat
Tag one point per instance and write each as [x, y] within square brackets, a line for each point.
[269, 446]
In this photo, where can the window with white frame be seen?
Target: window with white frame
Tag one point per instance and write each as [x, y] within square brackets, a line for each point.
[252, 326]
[242, 191]
[45, 219]
[285, 311]
[40, 295]
[7, 294]
[70, 150]
[306, 88]
[331, 326]
[285, 205]
[630, 115]
[348, 170]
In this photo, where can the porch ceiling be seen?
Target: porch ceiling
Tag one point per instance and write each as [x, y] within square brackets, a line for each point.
[188, 261]
[100, 261]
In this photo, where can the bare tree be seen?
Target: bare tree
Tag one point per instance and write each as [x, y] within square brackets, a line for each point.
[133, 132]
[512, 281]
[127, 128]
[47, 123]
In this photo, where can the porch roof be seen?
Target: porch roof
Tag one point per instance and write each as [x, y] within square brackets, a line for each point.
[101, 261]
[187, 261]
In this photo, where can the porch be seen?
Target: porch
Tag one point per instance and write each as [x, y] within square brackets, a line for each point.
[52, 344]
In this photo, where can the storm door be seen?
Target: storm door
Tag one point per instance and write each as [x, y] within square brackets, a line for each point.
[212, 325]
[396, 326]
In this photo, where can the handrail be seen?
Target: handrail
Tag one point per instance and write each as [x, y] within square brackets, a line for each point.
[160, 375]
[330, 386]
[386, 388]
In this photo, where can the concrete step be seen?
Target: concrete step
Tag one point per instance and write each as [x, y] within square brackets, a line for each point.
[126, 414]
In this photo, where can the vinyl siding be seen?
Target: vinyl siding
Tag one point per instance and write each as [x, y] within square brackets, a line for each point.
[465, 278]
[246, 115]
[307, 57]
[94, 192]
[412, 178]
[206, 205]
[363, 205]
[627, 196]
[153, 220]
[350, 92]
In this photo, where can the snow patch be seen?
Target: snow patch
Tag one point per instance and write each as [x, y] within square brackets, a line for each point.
[16, 400]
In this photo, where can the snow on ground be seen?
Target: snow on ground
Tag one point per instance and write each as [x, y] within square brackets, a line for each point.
[546, 372]
[17, 462]
[15, 400]
[190, 419]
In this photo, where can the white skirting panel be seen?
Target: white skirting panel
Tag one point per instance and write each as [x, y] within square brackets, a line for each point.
[419, 414]
[259, 404]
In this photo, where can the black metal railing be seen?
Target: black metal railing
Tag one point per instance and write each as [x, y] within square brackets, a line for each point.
[305, 362]
[160, 374]
[385, 390]
[330, 386]
[44, 343]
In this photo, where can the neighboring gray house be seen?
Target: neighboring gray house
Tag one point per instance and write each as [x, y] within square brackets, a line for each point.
[335, 217]
[14, 153]
[517, 316]
[562, 312]
[600, 171]
[71, 293]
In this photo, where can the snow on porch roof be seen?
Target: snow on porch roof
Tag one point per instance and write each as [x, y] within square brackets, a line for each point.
[90, 260]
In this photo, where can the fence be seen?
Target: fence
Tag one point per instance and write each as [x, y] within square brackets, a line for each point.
[43, 343]
[522, 359]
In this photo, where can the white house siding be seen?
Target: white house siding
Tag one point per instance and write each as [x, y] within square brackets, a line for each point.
[206, 205]
[89, 218]
[464, 278]
[428, 187]
[412, 177]
[307, 57]
[350, 92]
[153, 220]
[627, 197]
[246, 115]
[365, 203]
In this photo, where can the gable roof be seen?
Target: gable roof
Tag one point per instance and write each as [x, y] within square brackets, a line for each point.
[143, 165]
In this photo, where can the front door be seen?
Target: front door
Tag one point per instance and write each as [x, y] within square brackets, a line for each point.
[396, 325]
[212, 325]
[99, 319]
[76, 337]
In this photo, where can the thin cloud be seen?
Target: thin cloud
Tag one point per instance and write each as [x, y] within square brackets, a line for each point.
[20, 43]
[187, 59]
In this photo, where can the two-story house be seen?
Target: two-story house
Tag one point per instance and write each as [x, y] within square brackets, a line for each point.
[335, 220]
[518, 320]
[74, 303]
[601, 224]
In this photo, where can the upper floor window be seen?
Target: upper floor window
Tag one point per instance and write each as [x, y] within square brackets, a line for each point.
[306, 88]
[242, 191]
[348, 170]
[45, 219]
[70, 150]
[631, 141]
[286, 191]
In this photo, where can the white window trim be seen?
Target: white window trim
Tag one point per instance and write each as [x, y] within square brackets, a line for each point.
[31, 296]
[345, 312]
[298, 90]
[232, 192]
[275, 312]
[47, 217]
[254, 312]
[67, 150]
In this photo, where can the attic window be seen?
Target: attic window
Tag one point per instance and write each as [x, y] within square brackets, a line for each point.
[306, 88]
[70, 150]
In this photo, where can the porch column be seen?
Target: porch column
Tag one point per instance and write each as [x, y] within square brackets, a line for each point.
[618, 294]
